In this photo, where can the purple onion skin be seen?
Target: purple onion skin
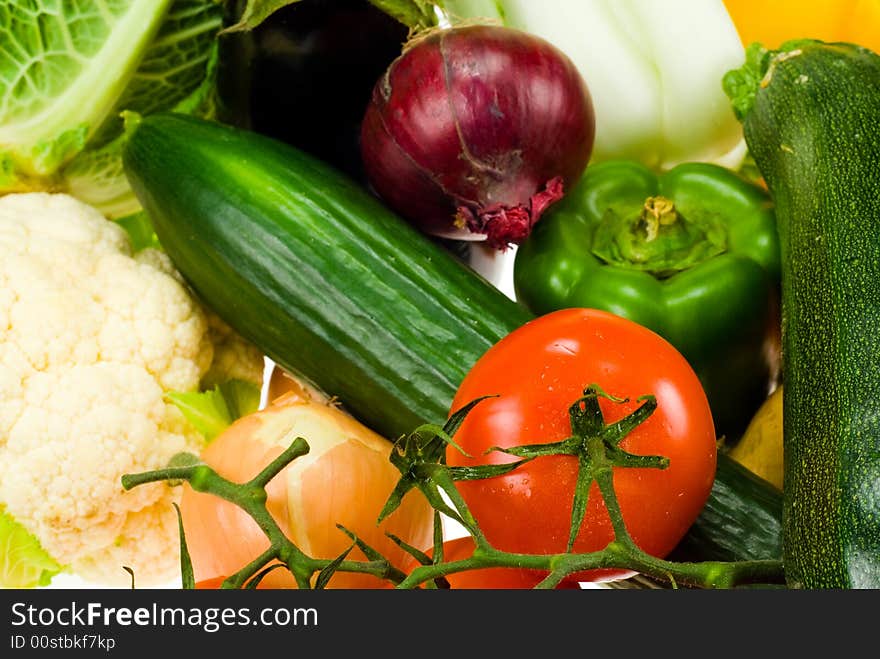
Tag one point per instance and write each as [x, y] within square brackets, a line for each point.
[473, 131]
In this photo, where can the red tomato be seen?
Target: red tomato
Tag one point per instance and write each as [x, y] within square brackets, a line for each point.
[538, 372]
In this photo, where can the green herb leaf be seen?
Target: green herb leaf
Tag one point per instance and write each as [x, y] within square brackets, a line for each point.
[140, 231]
[71, 68]
[412, 13]
[206, 410]
[257, 11]
[742, 84]
[214, 410]
[23, 561]
[242, 397]
[487, 10]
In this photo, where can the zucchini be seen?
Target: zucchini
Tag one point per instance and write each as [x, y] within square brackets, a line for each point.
[811, 116]
[321, 276]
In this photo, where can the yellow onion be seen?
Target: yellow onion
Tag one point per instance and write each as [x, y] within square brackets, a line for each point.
[344, 479]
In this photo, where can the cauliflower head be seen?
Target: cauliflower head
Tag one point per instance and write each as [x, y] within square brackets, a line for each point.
[91, 340]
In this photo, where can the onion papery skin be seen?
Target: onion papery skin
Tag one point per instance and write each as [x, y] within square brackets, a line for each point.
[474, 130]
[344, 479]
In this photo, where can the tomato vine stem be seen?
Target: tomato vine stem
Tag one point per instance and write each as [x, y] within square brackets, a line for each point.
[420, 458]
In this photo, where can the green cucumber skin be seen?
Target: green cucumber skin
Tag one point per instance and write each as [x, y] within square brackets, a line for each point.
[814, 132]
[332, 286]
[310, 267]
[741, 521]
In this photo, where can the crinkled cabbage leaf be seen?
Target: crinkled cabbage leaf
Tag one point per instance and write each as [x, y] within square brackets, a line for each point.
[23, 562]
[67, 70]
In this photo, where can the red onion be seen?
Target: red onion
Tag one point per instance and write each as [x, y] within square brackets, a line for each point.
[475, 130]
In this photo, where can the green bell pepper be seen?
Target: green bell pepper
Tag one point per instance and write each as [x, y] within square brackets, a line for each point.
[692, 254]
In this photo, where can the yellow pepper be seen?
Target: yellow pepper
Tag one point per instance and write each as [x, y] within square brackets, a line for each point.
[760, 448]
[774, 21]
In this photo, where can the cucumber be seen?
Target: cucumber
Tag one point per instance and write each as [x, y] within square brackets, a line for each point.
[741, 521]
[811, 116]
[328, 282]
[304, 263]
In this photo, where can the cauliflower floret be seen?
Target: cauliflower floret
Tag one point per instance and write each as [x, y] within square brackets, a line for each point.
[234, 358]
[91, 339]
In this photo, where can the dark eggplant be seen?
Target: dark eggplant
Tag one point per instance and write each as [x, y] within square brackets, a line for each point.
[305, 75]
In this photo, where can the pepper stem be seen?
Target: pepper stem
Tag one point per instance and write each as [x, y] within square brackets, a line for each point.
[657, 237]
[657, 212]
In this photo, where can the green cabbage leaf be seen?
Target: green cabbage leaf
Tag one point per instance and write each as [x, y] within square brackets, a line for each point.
[23, 561]
[214, 410]
[67, 71]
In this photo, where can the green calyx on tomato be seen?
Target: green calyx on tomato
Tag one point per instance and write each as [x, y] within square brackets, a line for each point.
[595, 445]
[692, 254]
